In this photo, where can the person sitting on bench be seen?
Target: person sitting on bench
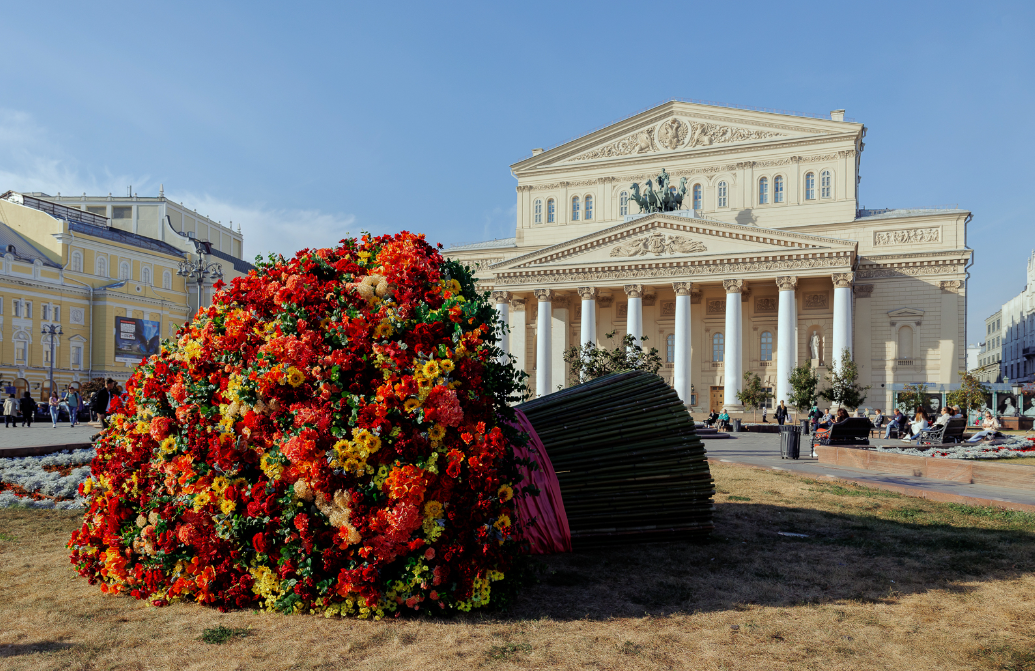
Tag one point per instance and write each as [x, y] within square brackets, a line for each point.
[919, 423]
[724, 421]
[712, 418]
[897, 423]
[990, 426]
[842, 416]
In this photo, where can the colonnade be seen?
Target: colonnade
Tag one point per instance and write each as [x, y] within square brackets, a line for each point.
[733, 355]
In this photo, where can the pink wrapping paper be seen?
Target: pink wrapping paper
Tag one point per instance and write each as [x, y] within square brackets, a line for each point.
[542, 517]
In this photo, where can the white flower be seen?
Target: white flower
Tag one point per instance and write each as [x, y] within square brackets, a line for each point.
[29, 474]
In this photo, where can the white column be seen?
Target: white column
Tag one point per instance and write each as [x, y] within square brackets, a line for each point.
[559, 341]
[634, 317]
[543, 340]
[681, 366]
[842, 316]
[518, 334]
[502, 301]
[786, 344]
[589, 316]
[733, 363]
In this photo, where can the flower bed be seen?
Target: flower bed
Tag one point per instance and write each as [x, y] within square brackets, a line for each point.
[50, 481]
[331, 436]
[1013, 448]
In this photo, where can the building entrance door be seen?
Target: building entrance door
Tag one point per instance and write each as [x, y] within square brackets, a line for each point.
[715, 404]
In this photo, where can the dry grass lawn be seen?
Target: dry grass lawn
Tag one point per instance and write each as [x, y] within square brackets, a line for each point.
[881, 581]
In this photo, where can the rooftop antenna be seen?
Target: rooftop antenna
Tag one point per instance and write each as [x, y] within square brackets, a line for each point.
[129, 191]
[161, 190]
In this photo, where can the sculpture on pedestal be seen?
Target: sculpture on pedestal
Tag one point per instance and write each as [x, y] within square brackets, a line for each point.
[814, 345]
[664, 199]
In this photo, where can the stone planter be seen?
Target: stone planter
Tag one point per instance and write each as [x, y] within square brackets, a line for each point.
[1017, 423]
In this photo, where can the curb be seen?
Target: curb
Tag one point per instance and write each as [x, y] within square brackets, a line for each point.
[39, 450]
[905, 490]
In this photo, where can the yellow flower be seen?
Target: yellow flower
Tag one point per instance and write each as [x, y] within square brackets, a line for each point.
[383, 330]
[433, 510]
[506, 493]
[227, 506]
[87, 485]
[411, 404]
[295, 377]
[446, 365]
[431, 370]
[437, 432]
[453, 286]
[168, 445]
[202, 500]
[503, 521]
[219, 484]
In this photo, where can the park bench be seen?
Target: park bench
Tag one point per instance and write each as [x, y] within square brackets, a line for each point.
[950, 432]
[852, 431]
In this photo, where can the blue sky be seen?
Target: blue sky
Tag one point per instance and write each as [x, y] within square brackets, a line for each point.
[302, 121]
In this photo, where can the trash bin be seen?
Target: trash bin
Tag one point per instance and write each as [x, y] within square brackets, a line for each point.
[736, 426]
[805, 426]
[790, 442]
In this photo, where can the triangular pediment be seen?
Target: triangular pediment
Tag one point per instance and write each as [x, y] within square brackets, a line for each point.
[684, 128]
[906, 314]
[664, 237]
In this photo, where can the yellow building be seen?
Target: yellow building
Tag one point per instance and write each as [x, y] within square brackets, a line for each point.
[114, 294]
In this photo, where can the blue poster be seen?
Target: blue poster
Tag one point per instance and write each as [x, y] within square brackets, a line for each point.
[136, 339]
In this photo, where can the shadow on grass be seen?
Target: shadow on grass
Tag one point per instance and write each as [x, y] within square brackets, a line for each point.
[42, 647]
[907, 549]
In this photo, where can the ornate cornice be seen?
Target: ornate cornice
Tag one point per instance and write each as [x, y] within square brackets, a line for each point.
[683, 288]
[786, 282]
[733, 286]
[843, 280]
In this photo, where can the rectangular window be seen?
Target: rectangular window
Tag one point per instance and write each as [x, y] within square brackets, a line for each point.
[77, 356]
[122, 213]
[28, 310]
[778, 190]
[97, 209]
[46, 355]
[46, 312]
[1, 306]
[17, 308]
[20, 352]
[57, 313]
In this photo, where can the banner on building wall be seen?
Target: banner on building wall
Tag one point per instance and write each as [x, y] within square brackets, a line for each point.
[136, 339]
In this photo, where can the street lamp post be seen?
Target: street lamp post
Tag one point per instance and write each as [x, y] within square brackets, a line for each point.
[52, 330]
[200, 269]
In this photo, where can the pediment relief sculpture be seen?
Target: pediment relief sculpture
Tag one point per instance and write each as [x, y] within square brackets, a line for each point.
[658, 244]
[674, 134]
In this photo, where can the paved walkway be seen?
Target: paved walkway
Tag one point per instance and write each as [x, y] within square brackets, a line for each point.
[762, 450]
[43, 438]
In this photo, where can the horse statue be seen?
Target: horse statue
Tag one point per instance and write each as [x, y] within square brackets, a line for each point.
[664, 199]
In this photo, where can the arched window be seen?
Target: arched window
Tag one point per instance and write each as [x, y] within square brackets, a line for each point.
[101, 266]
[778, 189]
[718, 347]
[124, 270]
[589, 208]
[767, 346]
[77, 262]
[145, 275]
[905, 342]
[723, 196]
[824, 184]
[623, 203]
[167, 280]
[670, 347]
[575, 208]
[537, 209]
[551, 211]
[763, 191]
[810, 186]
[698, 200]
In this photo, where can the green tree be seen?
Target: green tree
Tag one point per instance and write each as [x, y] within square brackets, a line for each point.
[803, 381]
[843, 390]
[970, 395]
[753, 395]
[589, 361]
[913, 396]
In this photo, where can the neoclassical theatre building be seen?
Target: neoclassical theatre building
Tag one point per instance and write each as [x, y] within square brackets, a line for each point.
[768, 262]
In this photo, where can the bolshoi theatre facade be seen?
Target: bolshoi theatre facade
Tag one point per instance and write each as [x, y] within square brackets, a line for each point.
[766, 263]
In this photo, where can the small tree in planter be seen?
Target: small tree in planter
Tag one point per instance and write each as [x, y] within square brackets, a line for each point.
[803, 381]
[753, 395]
[590, 362]
[970, 396]
[843, 390]
[913, 396]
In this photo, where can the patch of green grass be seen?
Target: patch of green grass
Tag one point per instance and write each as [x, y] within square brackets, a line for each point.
[220, 635]
[630, 648]
[851, 490]
[508, 650]
[740, 498]
[4, 536]
[1004, 657]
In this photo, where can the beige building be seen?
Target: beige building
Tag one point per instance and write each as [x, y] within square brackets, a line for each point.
[768, 262]
[70, 269]
[991, 356]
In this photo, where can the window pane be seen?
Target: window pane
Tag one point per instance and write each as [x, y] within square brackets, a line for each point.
[697, 196]
[722, 194]
[763, 191]
[778, 190]
[810, 186]
[551, 208]
[575, 208]
[824, 184]
[718, 344]
[623, 203]
[589, 207]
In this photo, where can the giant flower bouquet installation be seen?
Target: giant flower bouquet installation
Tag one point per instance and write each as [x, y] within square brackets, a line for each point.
[332, 435]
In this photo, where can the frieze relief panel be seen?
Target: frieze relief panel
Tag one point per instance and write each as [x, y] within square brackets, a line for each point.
[814, 301]
[907, 236]
[658, 244]
[716, 306]
[668, 309]
[910, 271]
[765, 305]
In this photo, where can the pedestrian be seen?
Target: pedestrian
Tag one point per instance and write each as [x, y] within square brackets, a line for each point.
[10, 411]
[764, 411]
[781, 414]
[70, 401]
[55, 405]
[28, 408]
[101, 400]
